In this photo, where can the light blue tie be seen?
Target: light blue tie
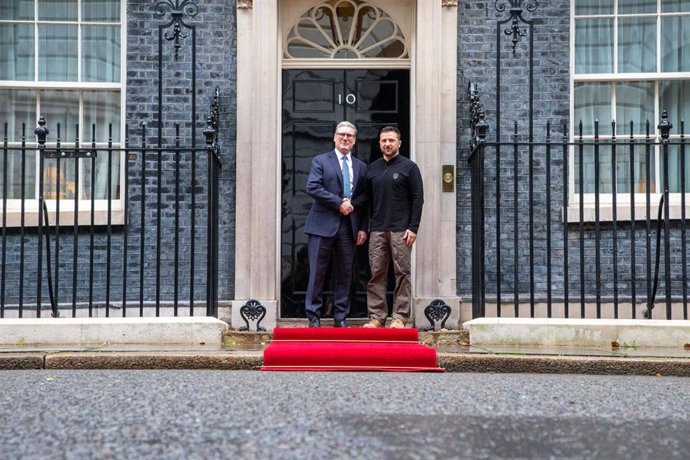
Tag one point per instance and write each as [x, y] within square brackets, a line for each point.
[346, 179]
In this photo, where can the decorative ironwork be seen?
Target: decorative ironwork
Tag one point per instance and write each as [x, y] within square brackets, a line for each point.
[345, 29]
[211, 130]
[435, 311]
[42, 133]
[252, 311]
[516, 8]
[664, 126]
[214, 165]
[478, 125]
[177, 10]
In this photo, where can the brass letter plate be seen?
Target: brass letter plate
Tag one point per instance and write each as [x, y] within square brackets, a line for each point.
[448, 176]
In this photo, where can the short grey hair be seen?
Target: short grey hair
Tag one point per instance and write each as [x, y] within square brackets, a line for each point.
[346, 124]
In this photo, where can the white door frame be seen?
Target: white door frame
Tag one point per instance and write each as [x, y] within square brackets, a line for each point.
[433, 93]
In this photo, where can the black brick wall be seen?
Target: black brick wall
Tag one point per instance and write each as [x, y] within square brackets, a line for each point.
[215, 29]
[215, 63]
[478, 23]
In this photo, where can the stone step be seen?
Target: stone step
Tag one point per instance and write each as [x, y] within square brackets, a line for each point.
[85, 332]
[243, 340]
[558, 332]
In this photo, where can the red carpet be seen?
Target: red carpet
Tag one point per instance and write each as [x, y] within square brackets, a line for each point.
[348, 349]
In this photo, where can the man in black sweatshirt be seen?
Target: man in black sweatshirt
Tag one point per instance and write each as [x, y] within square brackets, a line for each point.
[397, 197]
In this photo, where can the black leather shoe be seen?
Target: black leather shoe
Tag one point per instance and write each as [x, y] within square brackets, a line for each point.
[314, 322]
[340, 323]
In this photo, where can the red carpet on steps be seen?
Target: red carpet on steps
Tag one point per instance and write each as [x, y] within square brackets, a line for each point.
[348, 349]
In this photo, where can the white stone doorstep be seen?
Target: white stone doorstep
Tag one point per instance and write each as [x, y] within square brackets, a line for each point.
[577, 332]
[115, 331]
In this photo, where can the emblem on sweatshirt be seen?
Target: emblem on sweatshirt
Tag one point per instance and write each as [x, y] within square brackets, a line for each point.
[395, 176]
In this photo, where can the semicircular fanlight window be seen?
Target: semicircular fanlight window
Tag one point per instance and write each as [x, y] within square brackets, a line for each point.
[345, 29]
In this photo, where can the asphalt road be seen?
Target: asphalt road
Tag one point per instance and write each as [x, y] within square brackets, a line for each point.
[248, 414]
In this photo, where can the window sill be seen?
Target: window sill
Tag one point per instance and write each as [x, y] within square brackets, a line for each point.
[623, 212]
[100, 218]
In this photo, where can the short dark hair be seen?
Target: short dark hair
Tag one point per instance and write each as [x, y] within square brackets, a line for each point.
[390, 129]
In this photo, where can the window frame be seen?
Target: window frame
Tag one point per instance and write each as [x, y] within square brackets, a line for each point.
[612, 79]
[102, 215]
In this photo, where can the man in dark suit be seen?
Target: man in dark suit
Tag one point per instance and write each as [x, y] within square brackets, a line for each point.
[337, 221]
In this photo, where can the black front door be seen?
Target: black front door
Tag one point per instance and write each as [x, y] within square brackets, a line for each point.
[314, 101]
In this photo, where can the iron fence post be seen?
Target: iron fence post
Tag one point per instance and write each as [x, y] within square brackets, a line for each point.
[41, 134]
[211, 137]
[479, 128]
[664, 128]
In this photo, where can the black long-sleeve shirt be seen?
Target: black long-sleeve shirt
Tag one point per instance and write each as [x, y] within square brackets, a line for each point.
[397, 195]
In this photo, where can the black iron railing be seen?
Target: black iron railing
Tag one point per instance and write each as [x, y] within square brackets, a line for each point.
[577, 245]
[555, 232]
[146, 244]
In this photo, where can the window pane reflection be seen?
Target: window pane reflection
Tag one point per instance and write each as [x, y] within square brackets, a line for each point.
[637, 44]
[678, 164]
[101, 53]
[594, 46]
[21, 10]
[675, 98]
[592, 102]
[18, 108]
[635, 102]
[59, 179]
[57, 10]
[16, 52]
[636, 6]
[57, 52]
[101, 10]
[16, 160]
[675, 6]
[62, 107]
[675, 44]
[624, 184]
[593, 7]
[101, 108]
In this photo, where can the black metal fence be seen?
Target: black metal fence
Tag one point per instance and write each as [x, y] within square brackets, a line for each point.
[145, 243]
[557, 232]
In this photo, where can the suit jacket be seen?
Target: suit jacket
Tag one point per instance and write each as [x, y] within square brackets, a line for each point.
[325, 186]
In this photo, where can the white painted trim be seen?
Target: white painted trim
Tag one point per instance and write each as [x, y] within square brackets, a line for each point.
[117, 217]
[31, 217]
[623, 211]
[258, 128]
[346, 63]
[612, 79]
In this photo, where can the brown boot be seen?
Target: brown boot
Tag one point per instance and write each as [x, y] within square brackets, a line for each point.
[397, 324]
[373, 323]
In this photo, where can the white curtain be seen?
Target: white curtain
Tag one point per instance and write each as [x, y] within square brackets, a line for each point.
[675, 43]
[594, 46]
[58, 61]
[636, 44]
[102, 108]
[18, 108]
[100, 53]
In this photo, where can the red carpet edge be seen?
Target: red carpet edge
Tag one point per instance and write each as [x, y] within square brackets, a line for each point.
[348, 349]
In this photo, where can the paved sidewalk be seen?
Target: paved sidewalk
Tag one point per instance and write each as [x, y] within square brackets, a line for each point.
[453, 359]
[457, 351]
